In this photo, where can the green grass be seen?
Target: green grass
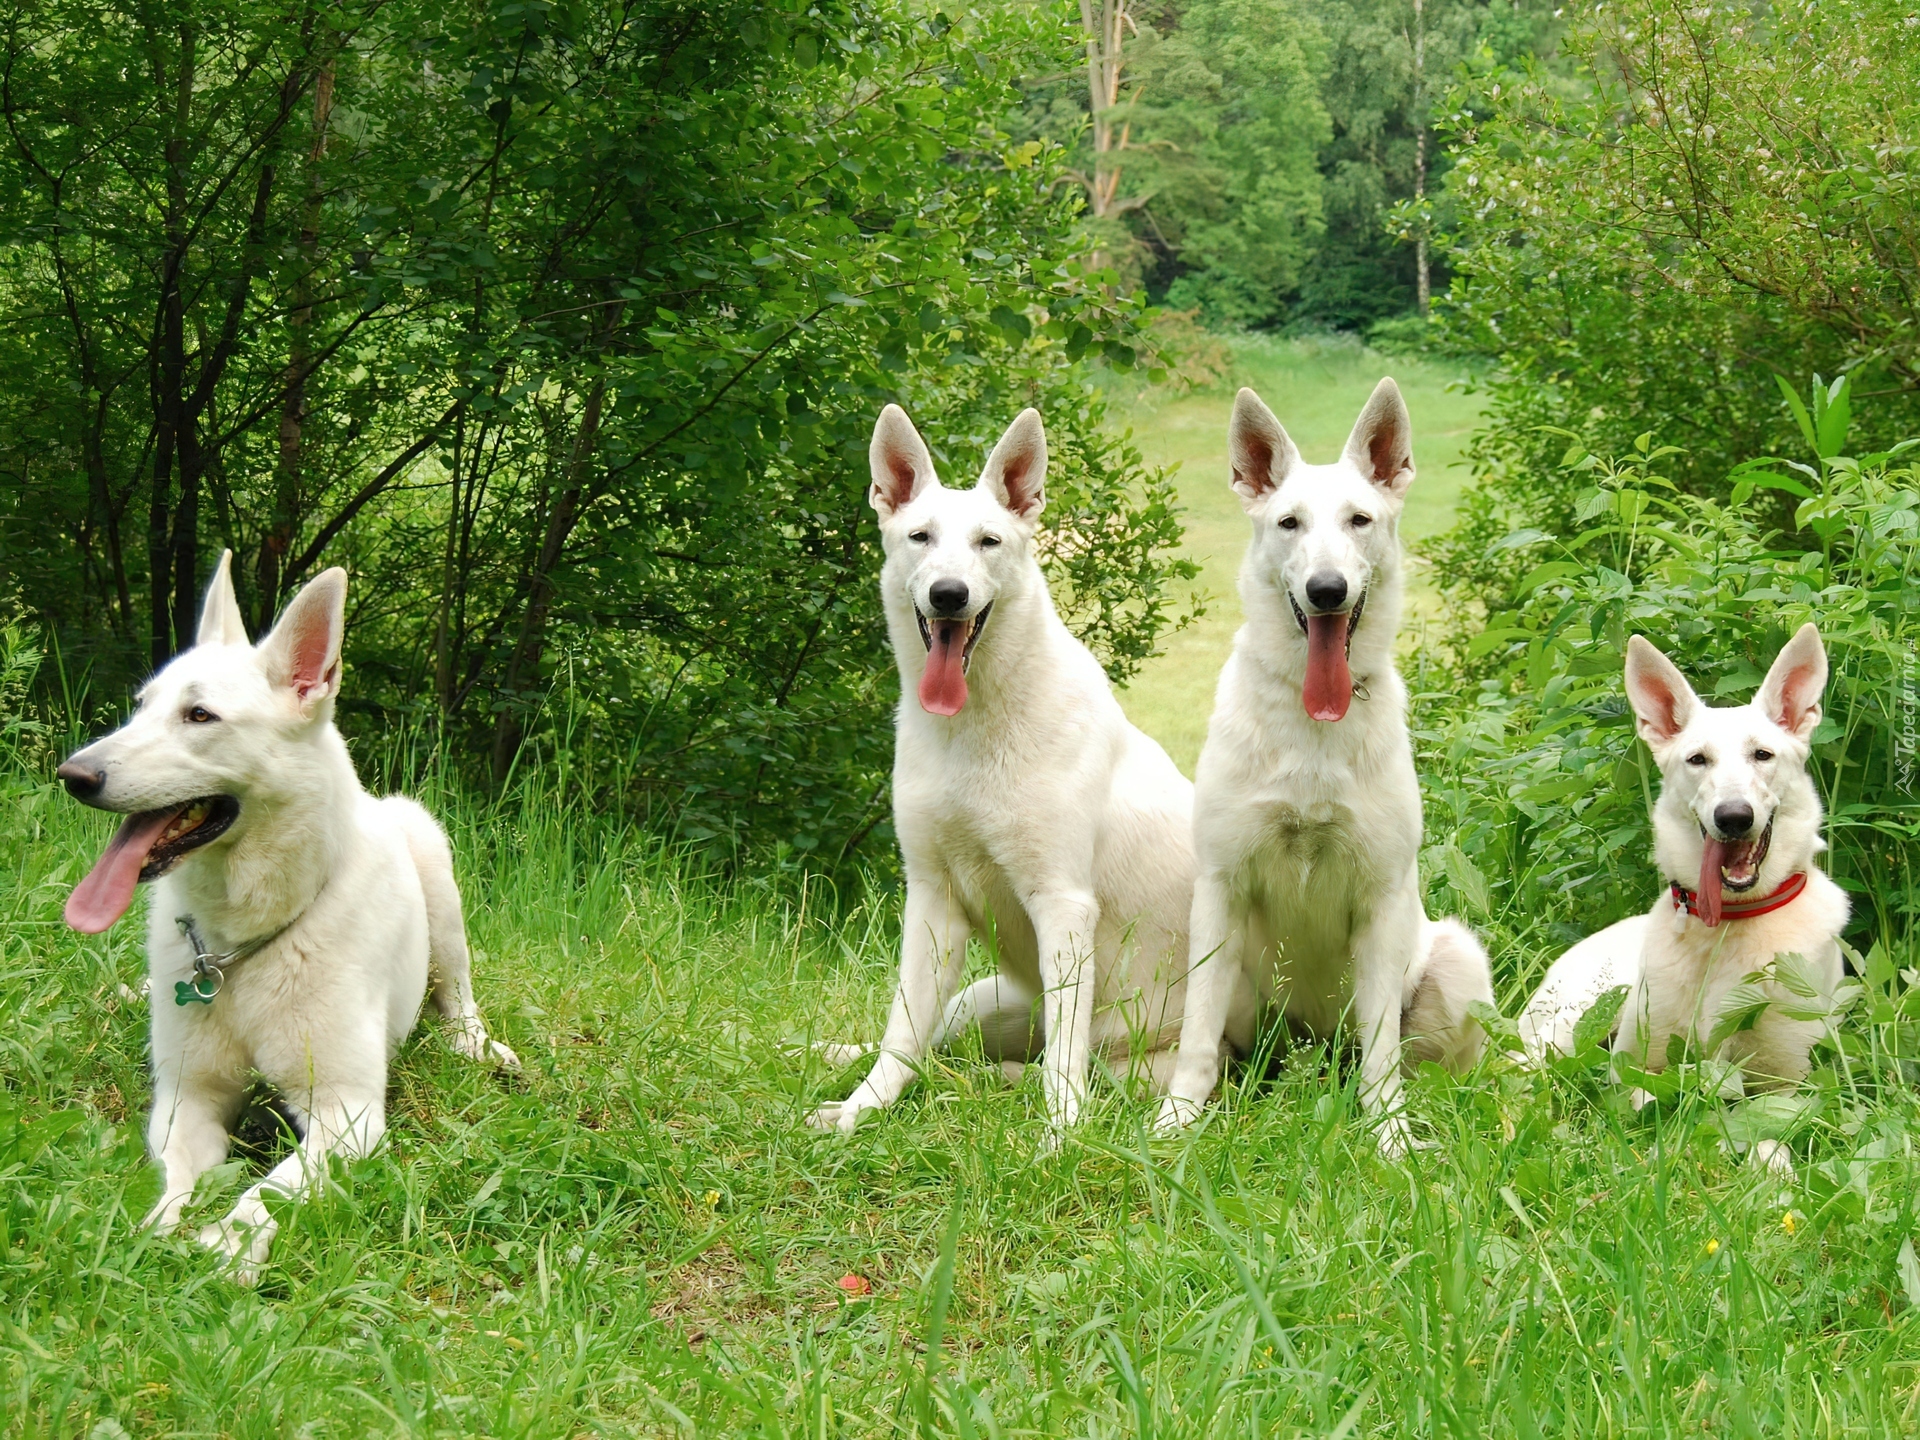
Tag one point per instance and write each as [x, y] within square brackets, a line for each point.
[639, 1236]
[1316, 387]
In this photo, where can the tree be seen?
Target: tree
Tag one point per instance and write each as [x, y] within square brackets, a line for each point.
[1722, 197]
[563, 328]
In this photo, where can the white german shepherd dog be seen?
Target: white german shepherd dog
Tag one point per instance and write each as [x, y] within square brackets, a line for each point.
[1023, 799]
[295, 921]
[1736, 830]
[1306, 807]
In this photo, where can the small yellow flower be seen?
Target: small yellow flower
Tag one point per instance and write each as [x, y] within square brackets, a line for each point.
[1713, 1247]
[1786, 1222]
[713, 1199]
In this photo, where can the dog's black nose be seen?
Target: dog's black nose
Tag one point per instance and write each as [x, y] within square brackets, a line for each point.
[83, 782]
[1733, 818]
[948, 597]
[1326, 589]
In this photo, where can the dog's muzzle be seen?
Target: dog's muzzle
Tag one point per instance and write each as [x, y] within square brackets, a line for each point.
[976, 628]
[1353, 615]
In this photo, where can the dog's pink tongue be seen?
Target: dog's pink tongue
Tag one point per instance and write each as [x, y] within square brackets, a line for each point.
[1707, 899]
[943, 684]
[103, 897]
[1329, 688]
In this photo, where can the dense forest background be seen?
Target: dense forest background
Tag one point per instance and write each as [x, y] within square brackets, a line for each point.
[563, 326]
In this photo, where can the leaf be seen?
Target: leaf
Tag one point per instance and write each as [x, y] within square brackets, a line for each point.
[1908, 1264]
[1800, 416]
[485, 1192]
[1767, 1117]
[1519, 538]
[1011, 321]
[1739, 1008]
[1594, 1027]
[1836, 411]
[1499, 1028]
[1465, 878]
[1546, 574]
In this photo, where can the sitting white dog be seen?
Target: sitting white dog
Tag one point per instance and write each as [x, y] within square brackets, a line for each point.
[1736, 830]
[295, 920]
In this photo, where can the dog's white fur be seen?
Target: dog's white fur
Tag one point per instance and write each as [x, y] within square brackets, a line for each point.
[1307, 832]
[1678, 970]
[1037, 810]
[364, 887]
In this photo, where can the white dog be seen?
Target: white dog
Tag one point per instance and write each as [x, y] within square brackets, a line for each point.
[1023, 799]
[1306, 807]
[295, 920]
[1736, 830]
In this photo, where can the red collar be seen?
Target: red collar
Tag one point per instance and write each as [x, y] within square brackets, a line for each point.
[1790, 888]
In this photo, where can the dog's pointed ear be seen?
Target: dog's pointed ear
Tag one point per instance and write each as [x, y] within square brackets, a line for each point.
[1259, 450]
[901, 463]
[303, 652]
[1381, 445]
[1016, 471]
[1790, 695]
[220, 621]
[1663, 703]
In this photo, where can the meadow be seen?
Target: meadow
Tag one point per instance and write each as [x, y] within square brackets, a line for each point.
[639, 1236]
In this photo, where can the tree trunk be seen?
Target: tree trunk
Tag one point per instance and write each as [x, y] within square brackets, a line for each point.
[1106, 25]
[561, 519]
[293, 410]
[169, 371]
[1423, 281]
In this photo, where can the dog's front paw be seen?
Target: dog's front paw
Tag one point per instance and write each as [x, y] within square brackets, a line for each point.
[1176, 1113]
[1774, 1156]
[1396, 1138]
[474, 1043]
[166, 1212]
[243, 1246]
[840, 1115]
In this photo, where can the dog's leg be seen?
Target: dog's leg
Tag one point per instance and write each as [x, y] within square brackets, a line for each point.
[449, 964]
[1009, 1021]
[349, 1129]
[933, 948]
[1630, 1041]
[188, 1134]
[1214, 943]
[1452, 973]
[1384, 949]
[1011, 1026]
[1064, 924]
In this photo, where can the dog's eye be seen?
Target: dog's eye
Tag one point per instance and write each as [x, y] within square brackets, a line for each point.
[1759, 755]
[1697, 758]
[200, 715]
[988, 540]
[1360, 521]
[919, 537]
[1289, 522]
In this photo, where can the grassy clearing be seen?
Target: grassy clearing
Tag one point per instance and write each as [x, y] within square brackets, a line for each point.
[639, 1236]
[1316, 387]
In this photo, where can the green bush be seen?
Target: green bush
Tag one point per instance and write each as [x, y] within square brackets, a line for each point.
[1704, 197]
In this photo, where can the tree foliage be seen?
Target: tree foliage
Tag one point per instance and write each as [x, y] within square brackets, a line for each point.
[1246, 157]
[563, 325]
[1718, 195]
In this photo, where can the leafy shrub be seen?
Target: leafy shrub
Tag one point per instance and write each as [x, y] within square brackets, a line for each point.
[1718, 194]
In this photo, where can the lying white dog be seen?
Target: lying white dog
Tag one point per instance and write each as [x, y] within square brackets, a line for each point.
[295, 920]
[1736, 830]
[1023, 799]
[1306, 809]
